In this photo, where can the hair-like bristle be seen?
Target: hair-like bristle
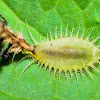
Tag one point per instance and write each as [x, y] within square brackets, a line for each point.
[71, 35]
[50, 35]
[78, 31]
[83, 33]
[66, 34]
[26, 68]
[56, 36]
[31, 34]
[96, 39]
[61, 35]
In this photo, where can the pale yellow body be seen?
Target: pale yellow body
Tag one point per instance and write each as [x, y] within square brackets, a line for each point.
[67, 53]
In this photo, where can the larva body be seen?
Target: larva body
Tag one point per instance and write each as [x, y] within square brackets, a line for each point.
[63, 54]
[67, 54]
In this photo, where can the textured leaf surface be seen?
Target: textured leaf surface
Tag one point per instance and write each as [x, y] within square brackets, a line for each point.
[42, 16]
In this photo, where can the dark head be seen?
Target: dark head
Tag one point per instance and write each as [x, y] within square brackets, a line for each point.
[4, 21]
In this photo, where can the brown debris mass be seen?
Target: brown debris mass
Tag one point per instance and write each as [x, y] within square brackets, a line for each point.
[18, 43]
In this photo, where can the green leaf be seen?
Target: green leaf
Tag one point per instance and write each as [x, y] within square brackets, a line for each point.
[9, 97]
[42, 16]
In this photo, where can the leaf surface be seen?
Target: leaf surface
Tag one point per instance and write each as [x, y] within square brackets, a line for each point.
[43, 16]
